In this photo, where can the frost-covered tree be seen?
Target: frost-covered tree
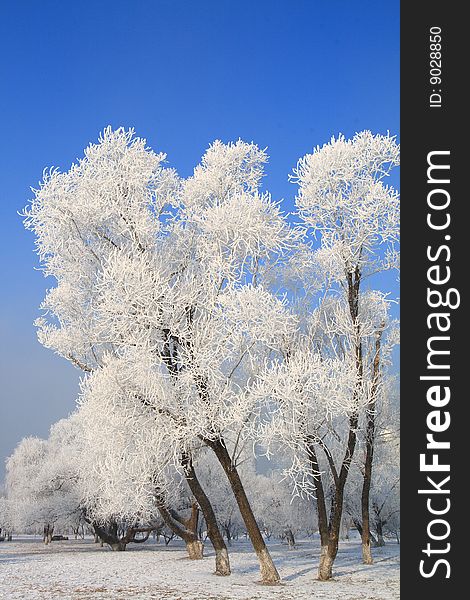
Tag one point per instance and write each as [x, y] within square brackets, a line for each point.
[385, 493]
[42, 482]
[335, 333]
[105, 216]
[385, 486]
[308, 399]
[162, 274]
[277, 511]
[344, 201]
[26, 498]
[121, 450]
[48, 487]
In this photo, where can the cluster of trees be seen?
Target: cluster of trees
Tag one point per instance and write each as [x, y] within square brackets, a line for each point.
[209, 329]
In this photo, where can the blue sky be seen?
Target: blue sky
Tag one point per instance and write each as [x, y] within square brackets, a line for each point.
[286, 74]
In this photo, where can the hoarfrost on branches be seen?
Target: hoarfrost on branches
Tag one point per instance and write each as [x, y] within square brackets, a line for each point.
[343, 198]
[209, 329]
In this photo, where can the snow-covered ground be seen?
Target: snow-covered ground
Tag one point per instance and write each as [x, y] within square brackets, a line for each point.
[81, 570]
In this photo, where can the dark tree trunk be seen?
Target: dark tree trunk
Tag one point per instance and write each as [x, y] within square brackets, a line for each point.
[109, 535]
[290, 539]
[168, 538]
[186, 529]
[117, 540]
[370, 440]
[329, 549]
[269, 574]
[228, 534]
[329, 528]
[319, 494]
[358, 526]
[48, 532]
[380, 532]
[329, 553]
[325, 571]
[365, 534]
[222, 562]
[322, 514]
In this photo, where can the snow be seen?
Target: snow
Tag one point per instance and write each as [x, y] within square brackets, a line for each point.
[81, 570]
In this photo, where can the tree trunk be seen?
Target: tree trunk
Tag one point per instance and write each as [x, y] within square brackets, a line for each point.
[168, 538]
[380, 532]
[109, 535]
[366, 551]
[48, 532]
[365, 534]
[338, 498]
[330, 528]
[118, 546]
[330, 550]
[228, 535]
[325, 569]
[330, 541]
[290, 539]
[326, 561]
[370, 440]
[358, 526]
[179, 527]
[319, 493]
[222, 562]
[269, 574]
[195, 549]
[329, 535]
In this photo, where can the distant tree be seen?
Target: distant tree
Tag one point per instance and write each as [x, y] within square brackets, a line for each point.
[277, 511]
[6, 522]
[42, 483]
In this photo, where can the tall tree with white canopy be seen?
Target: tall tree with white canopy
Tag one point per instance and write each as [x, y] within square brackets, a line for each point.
[161, 274]
[344, 201]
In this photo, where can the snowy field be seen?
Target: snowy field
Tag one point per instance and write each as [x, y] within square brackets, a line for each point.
[81, 570]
